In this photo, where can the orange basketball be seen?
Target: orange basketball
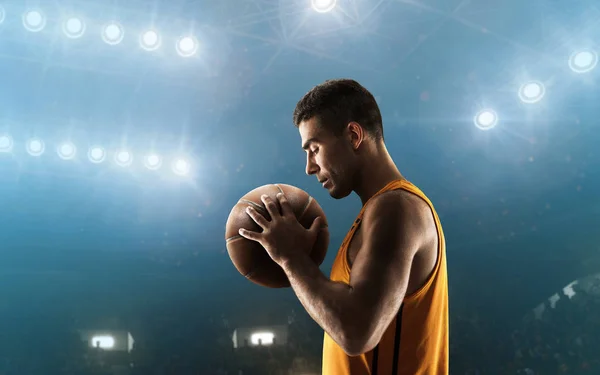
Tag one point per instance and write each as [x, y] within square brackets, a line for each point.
[249, 257]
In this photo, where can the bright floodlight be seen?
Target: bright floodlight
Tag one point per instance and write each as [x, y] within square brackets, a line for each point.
[181, 167]
[150, 40]
[66, 151]
[74, 27]
[123, 158]
[2, 14]
[262, 338]
[6, 143]
[187, 46]
[103, 342]
[486, 119]
[532, 92]
[583, 61]
[323, 6]
[96, 154]
[112, 33]
[35, 147]
[152, 161]
[34, 20]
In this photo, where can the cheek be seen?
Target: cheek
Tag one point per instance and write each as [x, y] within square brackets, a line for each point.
[322, 161]
[318, 161]
[327, 163]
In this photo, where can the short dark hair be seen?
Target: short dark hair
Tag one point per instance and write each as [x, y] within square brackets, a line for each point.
[337, 102]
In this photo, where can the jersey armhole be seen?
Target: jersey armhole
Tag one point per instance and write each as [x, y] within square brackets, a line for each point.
[438, 260]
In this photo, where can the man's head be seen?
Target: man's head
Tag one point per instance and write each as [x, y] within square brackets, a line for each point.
[340, 125]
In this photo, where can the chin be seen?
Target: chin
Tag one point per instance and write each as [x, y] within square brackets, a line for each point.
[337, 193]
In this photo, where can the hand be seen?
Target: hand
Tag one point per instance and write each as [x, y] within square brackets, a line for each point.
[283, 237]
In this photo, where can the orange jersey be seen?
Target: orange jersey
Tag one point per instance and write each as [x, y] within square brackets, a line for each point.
[417, 340]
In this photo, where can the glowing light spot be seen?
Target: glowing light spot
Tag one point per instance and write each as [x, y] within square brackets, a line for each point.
[67, 151]
[187, 46]
[112, 33]
[486, 119]
[583, 61]
[323, 6]
[532, 92]
[74, 27]
[150, 40]
[34, 21]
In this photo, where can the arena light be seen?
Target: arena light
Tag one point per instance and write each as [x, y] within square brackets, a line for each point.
[583, 61]
[103, 342]
[2, 14]
[323, 6]
[187, 46]
[153, 161]
[35, 147]
[96, 154]
[74, 27]
[486, 119]
[532, 92]
[262, 338]
[6, 143]
[150, 40]
[34, 21]
[181, 167]
[66, 151]
[123, 158]
[113, 33]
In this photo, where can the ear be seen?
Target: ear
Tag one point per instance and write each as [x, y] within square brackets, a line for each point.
[356, 134]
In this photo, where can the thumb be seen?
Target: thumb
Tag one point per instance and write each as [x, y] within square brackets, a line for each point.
[315, 227]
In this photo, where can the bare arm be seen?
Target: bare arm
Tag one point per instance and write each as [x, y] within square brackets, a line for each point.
[395, 226]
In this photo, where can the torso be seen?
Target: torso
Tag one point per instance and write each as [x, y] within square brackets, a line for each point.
[423, 263]
[416, 341]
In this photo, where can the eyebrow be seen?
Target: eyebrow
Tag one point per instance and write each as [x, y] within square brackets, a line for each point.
[308, 142]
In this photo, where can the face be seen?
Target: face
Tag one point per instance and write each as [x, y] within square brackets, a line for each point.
[332, 159]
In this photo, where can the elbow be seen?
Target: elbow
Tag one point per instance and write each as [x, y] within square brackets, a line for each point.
[362, 332]
[354, 351]
[357, 343]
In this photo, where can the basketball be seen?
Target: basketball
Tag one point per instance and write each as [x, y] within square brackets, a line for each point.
[249, 257]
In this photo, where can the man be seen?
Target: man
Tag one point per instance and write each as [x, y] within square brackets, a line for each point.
[384, 308]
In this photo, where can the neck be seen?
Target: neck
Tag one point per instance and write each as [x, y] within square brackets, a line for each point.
[377, 171]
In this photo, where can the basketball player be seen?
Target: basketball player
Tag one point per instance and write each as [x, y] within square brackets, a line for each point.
[384, 308]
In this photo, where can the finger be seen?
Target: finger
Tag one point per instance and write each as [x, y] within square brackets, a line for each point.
[248, 234]
[257, 217]
[270, 205]
[315, 227]
[286, 207]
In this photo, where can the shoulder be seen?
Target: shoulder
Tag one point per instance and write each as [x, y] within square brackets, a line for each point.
[401, 212]
[397, 203]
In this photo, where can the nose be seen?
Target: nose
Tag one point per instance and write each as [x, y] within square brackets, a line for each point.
[311, 166]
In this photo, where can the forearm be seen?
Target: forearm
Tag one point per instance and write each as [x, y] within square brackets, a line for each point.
[329, 303]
